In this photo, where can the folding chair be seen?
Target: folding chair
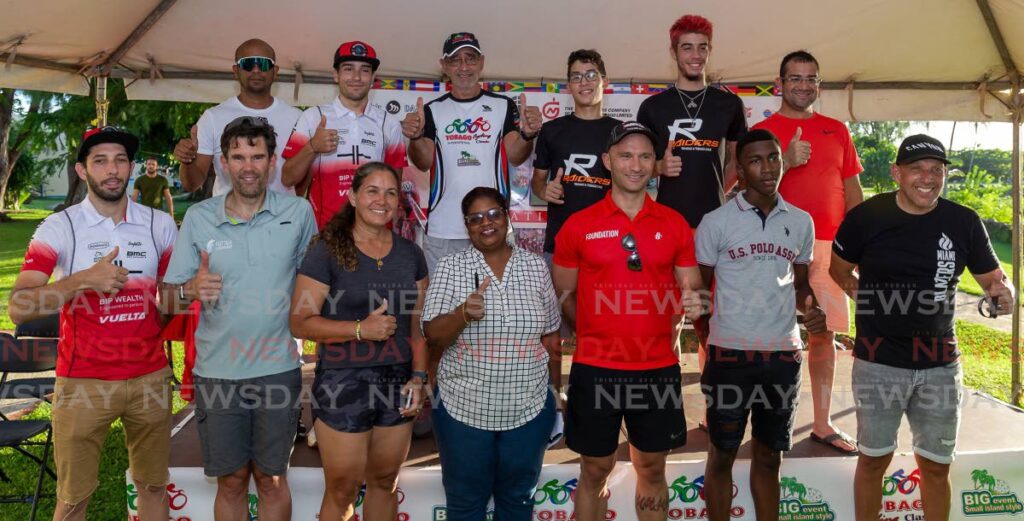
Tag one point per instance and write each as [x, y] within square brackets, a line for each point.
[27, 355]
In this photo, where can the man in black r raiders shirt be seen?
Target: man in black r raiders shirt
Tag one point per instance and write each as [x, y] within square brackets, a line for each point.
[568, 172]
[698, 123]
[910, 248]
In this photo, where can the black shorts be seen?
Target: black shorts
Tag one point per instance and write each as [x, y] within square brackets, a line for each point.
[650, 401]
[359, 399]
[763, 384]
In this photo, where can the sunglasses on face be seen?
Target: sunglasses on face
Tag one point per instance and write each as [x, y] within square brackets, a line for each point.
[578, 77]
[262, 63]
[633, 261]
[248, 121]
[493, 215]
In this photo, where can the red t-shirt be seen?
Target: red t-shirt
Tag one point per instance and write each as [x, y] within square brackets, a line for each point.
[624, 317]
[817, 187]
[109, 337]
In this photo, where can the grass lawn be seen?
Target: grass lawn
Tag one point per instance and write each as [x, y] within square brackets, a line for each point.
[1005, 254]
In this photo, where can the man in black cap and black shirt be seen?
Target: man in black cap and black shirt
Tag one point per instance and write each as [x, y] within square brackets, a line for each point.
[900, 256]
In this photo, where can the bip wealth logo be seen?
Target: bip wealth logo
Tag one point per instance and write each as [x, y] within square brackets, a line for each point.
[990, 496]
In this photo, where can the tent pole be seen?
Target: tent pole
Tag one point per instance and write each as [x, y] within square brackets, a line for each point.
[1017, 393]
[102, 103]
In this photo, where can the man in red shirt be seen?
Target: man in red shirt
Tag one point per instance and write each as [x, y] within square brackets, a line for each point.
[822, 179]
[619, 266]
[107, 255]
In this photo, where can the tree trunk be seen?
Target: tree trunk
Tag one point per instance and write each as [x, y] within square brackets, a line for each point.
[6, 119]
[76, 187]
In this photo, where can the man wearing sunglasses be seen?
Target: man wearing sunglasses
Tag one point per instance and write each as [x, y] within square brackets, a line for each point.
[466, 138]
[330, 141]
[255, 69]
[108, 254]
[822, 179]
[623, 268]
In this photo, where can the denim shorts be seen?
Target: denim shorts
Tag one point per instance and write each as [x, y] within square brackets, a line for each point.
[252, 419]
[929, 397]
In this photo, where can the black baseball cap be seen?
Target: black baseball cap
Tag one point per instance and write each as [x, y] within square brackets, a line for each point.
[457, 41]
[100, 135]
[356, 51]
[626, 128]
[920, 146]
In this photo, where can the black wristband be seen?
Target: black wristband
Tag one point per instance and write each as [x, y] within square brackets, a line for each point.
[527, 138]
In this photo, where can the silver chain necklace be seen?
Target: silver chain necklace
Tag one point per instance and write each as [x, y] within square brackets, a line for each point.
[693, 102]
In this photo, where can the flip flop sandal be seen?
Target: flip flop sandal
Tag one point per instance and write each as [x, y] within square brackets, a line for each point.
[831, 438]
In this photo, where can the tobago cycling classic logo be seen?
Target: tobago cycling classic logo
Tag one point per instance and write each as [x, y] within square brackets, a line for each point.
[990, 496]
[176, 499]
[895, 487]
[691, 495]
[799, 502]
[554, 500]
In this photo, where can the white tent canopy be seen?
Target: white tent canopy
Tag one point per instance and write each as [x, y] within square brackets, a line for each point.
[912, 59]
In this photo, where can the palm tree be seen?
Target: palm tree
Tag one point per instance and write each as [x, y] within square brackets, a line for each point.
[787, 484]
[981, 477]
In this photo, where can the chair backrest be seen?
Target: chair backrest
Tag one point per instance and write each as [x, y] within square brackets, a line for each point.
[43, 327]
[27, 355]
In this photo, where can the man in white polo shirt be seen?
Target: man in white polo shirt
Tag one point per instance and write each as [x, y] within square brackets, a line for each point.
[756, 249]
[107, 255]
[255, 69]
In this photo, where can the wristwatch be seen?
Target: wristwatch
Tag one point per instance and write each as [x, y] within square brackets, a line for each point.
[526, 137]
[422, 375]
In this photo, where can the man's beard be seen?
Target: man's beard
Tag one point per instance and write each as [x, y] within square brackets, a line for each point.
[97, 188]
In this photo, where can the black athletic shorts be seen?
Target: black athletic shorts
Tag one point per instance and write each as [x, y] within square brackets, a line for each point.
[650, 401]
[762, 384]
[359, 399]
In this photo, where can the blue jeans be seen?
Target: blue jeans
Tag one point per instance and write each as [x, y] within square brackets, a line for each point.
[476, 464]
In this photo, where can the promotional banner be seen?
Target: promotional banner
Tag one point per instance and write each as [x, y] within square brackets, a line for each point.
[986, 485]
[529, 213]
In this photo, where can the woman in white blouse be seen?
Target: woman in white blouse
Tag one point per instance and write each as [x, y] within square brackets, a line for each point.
[492, 310]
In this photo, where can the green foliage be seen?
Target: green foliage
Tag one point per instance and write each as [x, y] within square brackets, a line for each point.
[876, 143]
[981, 191]
[997, 162]
[26, 175]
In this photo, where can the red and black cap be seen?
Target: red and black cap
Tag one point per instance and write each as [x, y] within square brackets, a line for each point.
[100, 135]
[356, 51]
[457, 41]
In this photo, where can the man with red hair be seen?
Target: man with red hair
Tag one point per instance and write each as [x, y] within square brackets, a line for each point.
[694, 122]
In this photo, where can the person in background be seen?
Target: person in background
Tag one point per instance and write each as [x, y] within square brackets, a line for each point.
[152, 189]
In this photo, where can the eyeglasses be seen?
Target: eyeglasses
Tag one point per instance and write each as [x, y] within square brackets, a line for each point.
[633, 261]
[493, 215]
[578, 77]
[468, 59]
[810, 80]
[248, 121]
[251, 62]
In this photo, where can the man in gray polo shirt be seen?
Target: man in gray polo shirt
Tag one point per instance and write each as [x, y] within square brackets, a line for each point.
[238, 254]
[756, 249]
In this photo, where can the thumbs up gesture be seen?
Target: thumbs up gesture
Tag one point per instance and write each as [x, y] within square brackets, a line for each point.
[553, 190]
[530, 119]
[205, 286]
[474, 308]
[324, 139]
[105, 276]
[412, 125]
[798, 152]
[378, 325]
[186, 149]
[671, 164]
[814, 317]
